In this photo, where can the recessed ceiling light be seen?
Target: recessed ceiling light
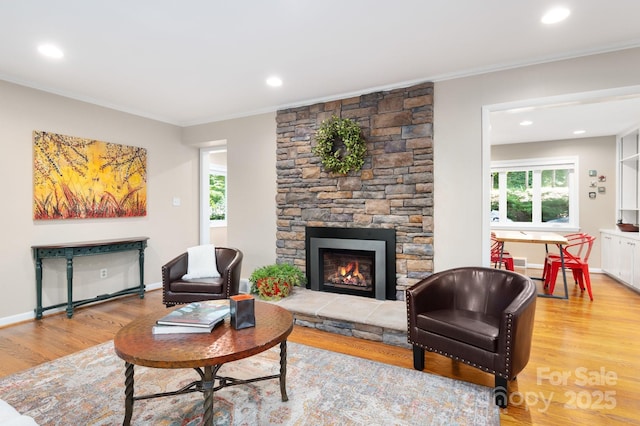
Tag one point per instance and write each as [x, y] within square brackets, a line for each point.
[555, 15]
[579, 132]
[50, 51]
[274, 81]
[526, 123]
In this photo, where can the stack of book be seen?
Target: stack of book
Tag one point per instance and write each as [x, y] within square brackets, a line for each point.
[196, 317]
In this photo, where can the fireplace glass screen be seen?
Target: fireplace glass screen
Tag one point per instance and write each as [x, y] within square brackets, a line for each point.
[348, 271]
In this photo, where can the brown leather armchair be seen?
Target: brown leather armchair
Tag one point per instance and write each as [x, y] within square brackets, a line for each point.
[176, 290]
[480, 316]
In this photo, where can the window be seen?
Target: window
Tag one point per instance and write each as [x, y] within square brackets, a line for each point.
[217, 196]
[539, 193]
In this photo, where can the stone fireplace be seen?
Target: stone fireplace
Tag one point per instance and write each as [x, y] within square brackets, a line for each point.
[352, 261]
[393, 190]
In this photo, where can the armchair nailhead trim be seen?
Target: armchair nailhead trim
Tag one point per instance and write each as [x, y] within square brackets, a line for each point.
[407, 300]
[481, 367]
[508, 354]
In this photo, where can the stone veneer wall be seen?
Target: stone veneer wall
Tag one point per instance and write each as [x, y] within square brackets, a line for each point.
[394, 189]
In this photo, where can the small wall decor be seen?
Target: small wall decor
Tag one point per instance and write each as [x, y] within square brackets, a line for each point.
[76, 178]
[349, 154]
[593, 173]
[602, 189]
[602, 178]
[592, 195]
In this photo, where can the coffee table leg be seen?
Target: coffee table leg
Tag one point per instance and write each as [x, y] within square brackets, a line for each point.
[283, 370]
[128, 394]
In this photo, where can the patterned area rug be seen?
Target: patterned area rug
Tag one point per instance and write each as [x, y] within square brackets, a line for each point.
[324, 388]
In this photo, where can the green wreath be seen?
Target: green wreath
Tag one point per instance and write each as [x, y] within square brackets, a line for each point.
[341, 160]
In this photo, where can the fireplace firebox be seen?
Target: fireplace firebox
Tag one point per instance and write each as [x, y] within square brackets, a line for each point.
[357, 261]
[349, 269]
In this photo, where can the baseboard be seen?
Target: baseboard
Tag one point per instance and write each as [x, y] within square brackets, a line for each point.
[14, 319]
[26, 316]
[153, 286]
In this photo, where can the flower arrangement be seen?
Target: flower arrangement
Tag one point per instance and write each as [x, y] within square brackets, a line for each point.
[342, 160]
[273, 282]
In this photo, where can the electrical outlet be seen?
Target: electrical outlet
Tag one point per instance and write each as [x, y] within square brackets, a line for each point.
[103, 273]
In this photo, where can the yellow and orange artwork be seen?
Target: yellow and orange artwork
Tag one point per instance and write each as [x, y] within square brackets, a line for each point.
[76, 178]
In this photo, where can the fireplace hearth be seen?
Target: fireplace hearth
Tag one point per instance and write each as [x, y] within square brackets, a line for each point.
[357, 261]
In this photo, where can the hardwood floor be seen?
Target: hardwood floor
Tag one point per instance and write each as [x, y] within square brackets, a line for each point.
[584, 366]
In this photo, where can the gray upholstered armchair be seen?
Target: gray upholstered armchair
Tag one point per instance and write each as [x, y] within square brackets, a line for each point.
[480, 316]
[176, 289]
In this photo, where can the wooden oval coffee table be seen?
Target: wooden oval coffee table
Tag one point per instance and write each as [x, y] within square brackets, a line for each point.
[205, 353]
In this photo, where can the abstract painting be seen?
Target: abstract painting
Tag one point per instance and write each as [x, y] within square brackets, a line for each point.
[77, 178]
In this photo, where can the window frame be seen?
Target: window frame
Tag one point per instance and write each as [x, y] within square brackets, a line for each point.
[537, 165]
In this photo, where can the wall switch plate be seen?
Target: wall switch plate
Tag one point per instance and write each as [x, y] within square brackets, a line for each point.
[103, 273]
[176, 201]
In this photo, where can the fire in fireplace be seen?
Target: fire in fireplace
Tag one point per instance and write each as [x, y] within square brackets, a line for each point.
[348, 269]
[355, 261]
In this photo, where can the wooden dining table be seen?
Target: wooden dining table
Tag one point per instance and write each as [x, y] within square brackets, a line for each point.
[532, 237]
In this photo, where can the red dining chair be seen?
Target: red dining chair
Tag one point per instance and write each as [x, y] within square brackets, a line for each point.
[550, 257]
[496, 251]
[578, 265]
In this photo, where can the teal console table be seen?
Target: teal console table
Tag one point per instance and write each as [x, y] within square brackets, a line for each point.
[88, 248]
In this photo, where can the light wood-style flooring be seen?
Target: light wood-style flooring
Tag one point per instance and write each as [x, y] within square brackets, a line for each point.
[584, 366]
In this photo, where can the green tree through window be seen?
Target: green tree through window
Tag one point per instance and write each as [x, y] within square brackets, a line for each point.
[534, 192]
[555, 194]
[218, 196]
[520, 196]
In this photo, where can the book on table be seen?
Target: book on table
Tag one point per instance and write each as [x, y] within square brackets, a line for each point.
[197, 314]
[183, 329]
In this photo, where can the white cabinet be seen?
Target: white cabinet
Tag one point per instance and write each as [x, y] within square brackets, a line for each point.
[621, 256]
[609, 247]
[627, 257]
[635, 282]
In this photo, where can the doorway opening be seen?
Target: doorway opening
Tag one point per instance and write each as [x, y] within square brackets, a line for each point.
[503, 123]
[213, 195]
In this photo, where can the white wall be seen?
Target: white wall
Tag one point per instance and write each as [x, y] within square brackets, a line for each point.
[251, 174]
[172, 171]
[459, 230]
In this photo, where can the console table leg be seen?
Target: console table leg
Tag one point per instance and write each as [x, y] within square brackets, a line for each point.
[141, 263]
[38, 287]
[128, 394]
[69, 256]
[283, 370]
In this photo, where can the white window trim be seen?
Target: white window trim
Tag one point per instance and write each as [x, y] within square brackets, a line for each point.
[526, 164]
